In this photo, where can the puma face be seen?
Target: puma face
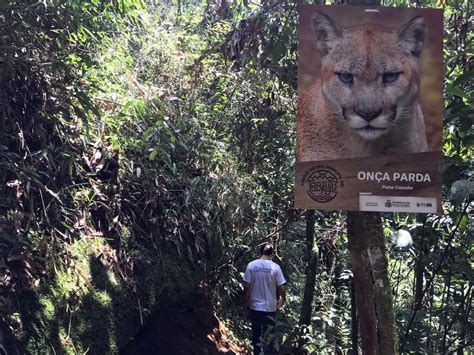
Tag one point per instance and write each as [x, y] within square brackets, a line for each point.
[370, 74]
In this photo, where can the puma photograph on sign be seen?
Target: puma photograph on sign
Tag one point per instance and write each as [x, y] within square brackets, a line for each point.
[362, 90]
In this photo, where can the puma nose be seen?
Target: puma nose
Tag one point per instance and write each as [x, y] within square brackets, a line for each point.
[368, 115]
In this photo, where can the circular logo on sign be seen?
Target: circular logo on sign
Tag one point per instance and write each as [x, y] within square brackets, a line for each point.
[322, 185]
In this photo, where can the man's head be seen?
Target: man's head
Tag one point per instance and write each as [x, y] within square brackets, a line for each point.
[266, 249]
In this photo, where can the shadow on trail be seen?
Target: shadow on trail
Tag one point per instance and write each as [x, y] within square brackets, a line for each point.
[188, 330]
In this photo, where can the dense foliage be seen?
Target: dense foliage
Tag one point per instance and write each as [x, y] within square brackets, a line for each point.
[146, 149]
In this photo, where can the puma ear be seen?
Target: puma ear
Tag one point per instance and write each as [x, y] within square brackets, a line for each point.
[413, 35]
[327, 32]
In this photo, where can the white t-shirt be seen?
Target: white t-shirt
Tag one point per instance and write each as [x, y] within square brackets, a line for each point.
[263, 276]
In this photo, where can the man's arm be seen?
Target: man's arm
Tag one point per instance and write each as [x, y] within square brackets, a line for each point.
[246, 296]
[281, 294]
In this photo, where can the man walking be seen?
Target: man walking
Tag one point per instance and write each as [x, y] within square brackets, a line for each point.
[264, 293]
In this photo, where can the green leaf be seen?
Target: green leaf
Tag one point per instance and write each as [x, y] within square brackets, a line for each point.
[464, 77]
[153, 155]
[456, 91]
[463, 221]
[70, 166]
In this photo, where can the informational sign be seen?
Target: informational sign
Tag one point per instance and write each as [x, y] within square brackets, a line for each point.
[370, 107]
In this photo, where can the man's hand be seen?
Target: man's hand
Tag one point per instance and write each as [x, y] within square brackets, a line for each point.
[281, 291]
[280, 302]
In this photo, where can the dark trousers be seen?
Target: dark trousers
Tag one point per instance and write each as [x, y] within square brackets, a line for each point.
[263, 332]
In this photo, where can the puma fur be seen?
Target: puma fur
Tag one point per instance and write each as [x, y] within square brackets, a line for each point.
[366, 101]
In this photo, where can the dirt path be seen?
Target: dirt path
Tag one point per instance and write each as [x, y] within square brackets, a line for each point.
[192, 330]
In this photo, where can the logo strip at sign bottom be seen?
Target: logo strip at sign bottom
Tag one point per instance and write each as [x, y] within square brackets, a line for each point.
[397, 204]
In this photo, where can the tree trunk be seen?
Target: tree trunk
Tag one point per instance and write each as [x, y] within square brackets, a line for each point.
[419, 266]
[337, 283]
[445, 303]
[354, 321]
[312, 264]
[363, 283]
[419, 272]
[373, 292]
[464, 322]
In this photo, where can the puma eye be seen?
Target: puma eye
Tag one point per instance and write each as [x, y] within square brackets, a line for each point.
[389, 78]
[346, 78]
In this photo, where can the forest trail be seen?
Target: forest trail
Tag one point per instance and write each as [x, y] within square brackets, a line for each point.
[147, 150]
[189, 330]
